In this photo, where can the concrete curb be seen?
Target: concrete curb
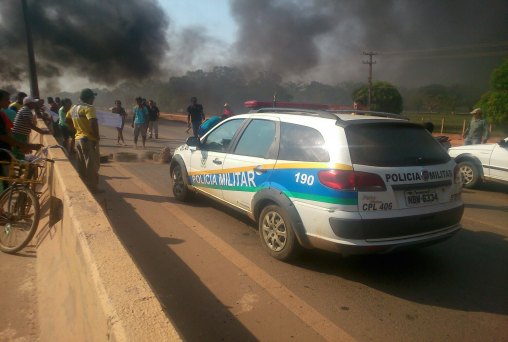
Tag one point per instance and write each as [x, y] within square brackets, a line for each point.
[89, 288]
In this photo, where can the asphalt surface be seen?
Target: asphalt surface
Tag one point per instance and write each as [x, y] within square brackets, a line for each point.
[207, 266]
[214, 280]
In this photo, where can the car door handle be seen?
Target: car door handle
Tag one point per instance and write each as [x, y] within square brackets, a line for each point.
[259, 169]
[217, 161]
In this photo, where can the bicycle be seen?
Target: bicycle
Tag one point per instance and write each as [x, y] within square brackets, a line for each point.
[19, 202]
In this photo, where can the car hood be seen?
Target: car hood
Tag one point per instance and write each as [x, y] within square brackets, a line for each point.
[471, 149]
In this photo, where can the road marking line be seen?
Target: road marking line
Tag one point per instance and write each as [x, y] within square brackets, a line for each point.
[310, 316]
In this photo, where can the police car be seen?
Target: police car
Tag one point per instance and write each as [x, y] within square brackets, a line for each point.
[346, 182]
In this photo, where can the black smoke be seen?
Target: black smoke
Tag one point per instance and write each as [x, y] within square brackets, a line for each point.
[105, 41]
[418, 41]
[281, 35]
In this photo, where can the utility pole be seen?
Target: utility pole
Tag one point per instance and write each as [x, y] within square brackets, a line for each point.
[370, 62]
[34, 86]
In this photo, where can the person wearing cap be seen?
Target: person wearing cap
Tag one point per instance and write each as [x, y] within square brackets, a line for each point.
[83, 119]
[7, 142]
[478, 131]
[24, 123]
[16, 106]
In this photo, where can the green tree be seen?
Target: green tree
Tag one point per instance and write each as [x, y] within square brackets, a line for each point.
[384, 98]
[495, 102]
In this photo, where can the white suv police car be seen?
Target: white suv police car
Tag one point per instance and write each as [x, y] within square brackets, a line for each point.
[345, 182]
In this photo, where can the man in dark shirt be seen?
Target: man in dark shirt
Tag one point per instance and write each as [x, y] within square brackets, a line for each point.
[153, 117]
[195, 114]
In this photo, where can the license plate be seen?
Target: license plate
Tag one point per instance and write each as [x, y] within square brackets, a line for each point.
[421, 197]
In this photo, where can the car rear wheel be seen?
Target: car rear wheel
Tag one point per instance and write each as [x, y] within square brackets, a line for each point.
[179, 185]
[470, 174]
[277, 235]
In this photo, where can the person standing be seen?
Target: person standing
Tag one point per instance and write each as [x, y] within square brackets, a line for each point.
[16, 106]
[153, 117]
[4, 106]
[195, 115]
[24, 123]
[53, 106]
[68, 134]
[118, 109]
[6, 140]
[139, 121]
[83, 119]
[478, 131]
[227, 112]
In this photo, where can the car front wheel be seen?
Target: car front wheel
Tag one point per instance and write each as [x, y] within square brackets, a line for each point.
[179, 186]
[470, 174]
[277, 235]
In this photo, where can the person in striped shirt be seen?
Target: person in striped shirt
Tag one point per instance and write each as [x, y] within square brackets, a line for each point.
[24, 123]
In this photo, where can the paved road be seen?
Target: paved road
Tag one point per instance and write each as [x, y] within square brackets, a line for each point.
[212, 277]
[205, 263]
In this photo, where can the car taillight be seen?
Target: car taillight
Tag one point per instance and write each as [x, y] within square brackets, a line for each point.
[351, 180]
[457, 176]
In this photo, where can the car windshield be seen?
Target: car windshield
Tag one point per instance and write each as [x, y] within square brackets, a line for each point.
[393, 144]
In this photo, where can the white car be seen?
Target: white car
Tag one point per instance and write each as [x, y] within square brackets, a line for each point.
[482, 162]
[344, 182]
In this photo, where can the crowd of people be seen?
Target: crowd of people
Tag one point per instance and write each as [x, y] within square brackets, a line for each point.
[79, 129]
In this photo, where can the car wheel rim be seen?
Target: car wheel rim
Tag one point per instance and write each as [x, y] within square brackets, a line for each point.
[467, 174]
[177, 181]
[274, 231]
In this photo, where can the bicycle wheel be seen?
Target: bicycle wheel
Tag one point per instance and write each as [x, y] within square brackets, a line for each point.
[19, 217]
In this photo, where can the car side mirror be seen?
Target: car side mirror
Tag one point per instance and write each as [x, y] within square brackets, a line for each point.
[193, 142]
[503, 143]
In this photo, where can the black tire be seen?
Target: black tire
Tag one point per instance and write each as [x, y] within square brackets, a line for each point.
[179, 184]
[470, 174]
[277, 235]
[19, 218]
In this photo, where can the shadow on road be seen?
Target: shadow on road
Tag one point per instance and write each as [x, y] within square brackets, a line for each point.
[194, 310]
[489, 186]
[467, 272]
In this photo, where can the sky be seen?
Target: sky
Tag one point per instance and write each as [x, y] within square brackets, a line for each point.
[207, 13]
[105, 43]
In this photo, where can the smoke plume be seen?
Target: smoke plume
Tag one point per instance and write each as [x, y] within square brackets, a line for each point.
[104, 41]
[107, 42]
[417, 41]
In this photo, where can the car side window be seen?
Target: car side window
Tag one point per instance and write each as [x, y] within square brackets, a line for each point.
[302, 143]
[218, 139]
[257, 139]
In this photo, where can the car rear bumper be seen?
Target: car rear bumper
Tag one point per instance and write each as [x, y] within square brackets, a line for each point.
[387, 229]
[386, 247]
[389, 234]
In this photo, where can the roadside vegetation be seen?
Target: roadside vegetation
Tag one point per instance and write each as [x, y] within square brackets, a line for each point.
[445, 105]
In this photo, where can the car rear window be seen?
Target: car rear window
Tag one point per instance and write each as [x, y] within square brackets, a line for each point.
[390, 144]
[302, 143]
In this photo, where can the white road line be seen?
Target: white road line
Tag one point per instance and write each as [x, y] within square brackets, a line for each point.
[319, 323]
